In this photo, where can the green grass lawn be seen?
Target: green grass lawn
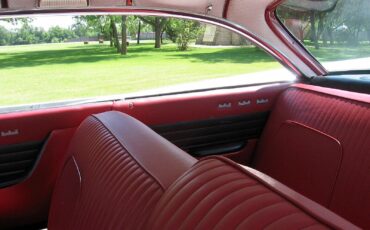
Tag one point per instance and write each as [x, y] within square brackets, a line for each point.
[51, 72]
[339, 52]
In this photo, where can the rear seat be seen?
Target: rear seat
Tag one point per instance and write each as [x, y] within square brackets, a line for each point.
[121, 175]
[317, 142]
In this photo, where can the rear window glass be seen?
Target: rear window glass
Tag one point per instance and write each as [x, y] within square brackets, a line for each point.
[337, 33]
[58, 58]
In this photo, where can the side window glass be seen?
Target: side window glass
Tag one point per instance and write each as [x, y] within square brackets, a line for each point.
[46, 59]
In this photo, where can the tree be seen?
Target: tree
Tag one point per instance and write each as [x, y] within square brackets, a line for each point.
[124, 35]
[115, 34]
[170, 29]
[28, 34]
[93, 26]
[17, 21]
[184, 31]
[80, 29]
[132, 24]
[107, 27]
[4, 36]
[139, 33]
[58, 34]
[158, 24]
[314, 37]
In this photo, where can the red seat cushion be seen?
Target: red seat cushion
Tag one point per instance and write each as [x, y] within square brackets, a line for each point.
[317, 141]
[218, 194]
[118, 171]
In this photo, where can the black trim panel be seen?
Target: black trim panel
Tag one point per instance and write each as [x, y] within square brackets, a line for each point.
[214, 136]
[17, 162]
[359, 83]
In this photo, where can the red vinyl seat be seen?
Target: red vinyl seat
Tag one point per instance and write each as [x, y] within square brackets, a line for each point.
[122, 175]
[317, 142]
[117, 172]
[217, 193]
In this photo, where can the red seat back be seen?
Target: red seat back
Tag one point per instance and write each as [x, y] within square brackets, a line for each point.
[117, 172]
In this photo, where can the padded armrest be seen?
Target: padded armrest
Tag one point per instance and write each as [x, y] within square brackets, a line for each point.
[312, 208]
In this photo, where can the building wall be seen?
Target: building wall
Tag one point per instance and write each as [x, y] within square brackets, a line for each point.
[215, 35]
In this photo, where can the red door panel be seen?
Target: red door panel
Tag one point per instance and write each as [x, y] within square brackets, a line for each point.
[226, 122]
[27, 202]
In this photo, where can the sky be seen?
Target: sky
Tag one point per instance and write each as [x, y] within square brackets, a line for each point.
[46, 22]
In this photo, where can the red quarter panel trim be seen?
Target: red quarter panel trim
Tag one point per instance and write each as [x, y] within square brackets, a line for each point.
[342, 115]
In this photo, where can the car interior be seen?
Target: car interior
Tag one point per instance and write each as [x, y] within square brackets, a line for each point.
[275, 155]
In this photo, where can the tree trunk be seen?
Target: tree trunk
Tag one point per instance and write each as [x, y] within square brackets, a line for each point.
[157, 33]
[320, 29]
[115, 36]
[124, 36]
[110, 39]
[314, 38]
[158, 25]
[138, 32]
[330, 35]
[325, 37]
[162, 36]
[313, 26]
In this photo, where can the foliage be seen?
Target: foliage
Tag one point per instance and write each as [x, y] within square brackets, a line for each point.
[170, 30]
[347, 23]
[106, 27]
[102, 27]
[88, 26]
[28, 34]
[133, 26]
[59, 34]
[16, 21]
[4, 36]
[184, 31]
